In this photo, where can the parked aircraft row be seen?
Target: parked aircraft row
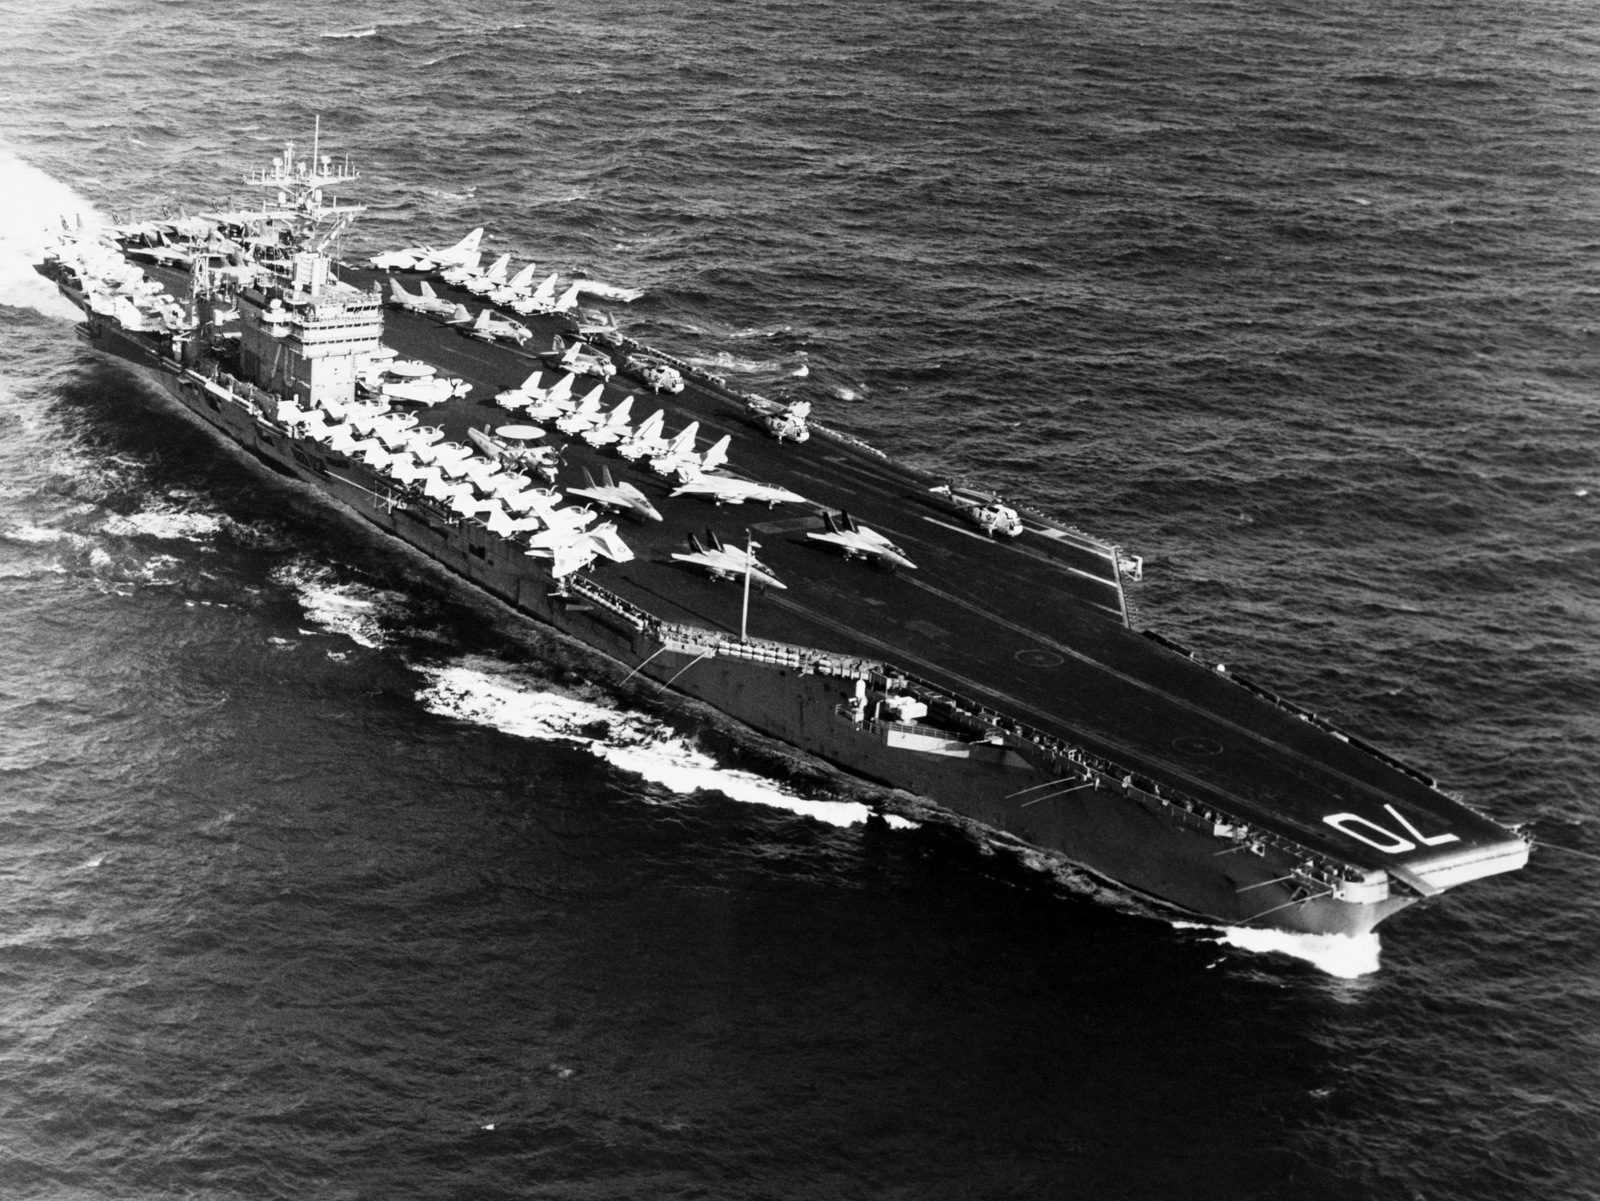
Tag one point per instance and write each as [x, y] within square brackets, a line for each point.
[461, 266]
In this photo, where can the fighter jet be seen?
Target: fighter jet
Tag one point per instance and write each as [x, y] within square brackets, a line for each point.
[645, 441]
[423, 301]
[725, 490]
[623, 497]
[491, 327]
[568, 300]
[426, 258]
[542, 300]
[527, 392]
[858, 542]
[468, 269]
[683, 464]
[557, 400]
[515, 288]
[682, 443]
[584, 414]
[727, 563]
[494, 277]
[613, 427]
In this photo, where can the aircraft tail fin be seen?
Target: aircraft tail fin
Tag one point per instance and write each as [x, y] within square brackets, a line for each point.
[694, 545]
[467, 244]
[717, 455]
[827, 520]
[605, 474]
[849, 522]
[396, 292]
[461, 316]
[588, 480]
[685, 439]
[711, 537]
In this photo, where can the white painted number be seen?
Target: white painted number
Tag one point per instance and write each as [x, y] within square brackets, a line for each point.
[1381, 837]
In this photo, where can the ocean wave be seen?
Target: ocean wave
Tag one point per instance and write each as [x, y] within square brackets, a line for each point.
[32, 207]
[1347, 957]
[723, 362]
[166, 523]
[632, 742]
[350, 33]
[353, 610]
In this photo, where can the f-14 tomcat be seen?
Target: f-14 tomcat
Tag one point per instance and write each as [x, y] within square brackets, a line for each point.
[1001, 680]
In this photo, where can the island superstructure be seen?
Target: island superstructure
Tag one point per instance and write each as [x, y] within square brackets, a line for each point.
[932, 637]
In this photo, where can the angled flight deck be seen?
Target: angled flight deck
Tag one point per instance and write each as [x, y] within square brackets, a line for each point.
[1035, 627]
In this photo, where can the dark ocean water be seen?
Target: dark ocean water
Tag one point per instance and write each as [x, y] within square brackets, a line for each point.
[321, 878]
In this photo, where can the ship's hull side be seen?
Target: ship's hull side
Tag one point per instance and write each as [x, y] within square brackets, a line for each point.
[1132, 838]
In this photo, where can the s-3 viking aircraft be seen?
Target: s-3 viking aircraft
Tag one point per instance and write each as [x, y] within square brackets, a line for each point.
[726, 563]
[578, 359]
[426, 258]
[858, 542]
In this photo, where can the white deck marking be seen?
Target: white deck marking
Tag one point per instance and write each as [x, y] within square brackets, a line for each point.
[1088, 575]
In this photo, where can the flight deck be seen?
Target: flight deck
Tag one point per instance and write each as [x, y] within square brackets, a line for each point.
[1033, 627]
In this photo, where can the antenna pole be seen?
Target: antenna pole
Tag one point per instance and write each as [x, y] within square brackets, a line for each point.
[744, 615]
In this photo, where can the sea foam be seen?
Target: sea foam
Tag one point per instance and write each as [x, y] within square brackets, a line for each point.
[631, 741]
[32, 205]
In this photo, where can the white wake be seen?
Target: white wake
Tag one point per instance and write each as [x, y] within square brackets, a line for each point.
[1347, 957]
[630, 741]
[31, 208]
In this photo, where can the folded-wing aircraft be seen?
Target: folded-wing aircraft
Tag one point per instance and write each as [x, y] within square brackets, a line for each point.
[613, 426]
[516, 287]
[421, 301]
[426, 258]
[494, 277]
[492, 327]
[646, 441]
[467, 269]
[584, 414]
[578, 358]
[542, 300]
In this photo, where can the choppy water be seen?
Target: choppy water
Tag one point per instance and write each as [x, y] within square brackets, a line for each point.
[319, 877]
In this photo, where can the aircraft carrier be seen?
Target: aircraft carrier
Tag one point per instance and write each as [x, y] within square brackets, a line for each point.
[938, 639]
